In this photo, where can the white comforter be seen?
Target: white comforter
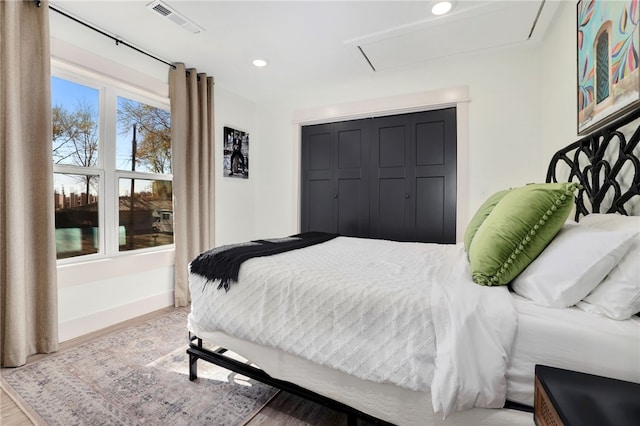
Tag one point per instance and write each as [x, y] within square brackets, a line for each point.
[404, 313]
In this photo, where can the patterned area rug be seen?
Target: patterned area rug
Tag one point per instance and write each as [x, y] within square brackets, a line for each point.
[138, 375]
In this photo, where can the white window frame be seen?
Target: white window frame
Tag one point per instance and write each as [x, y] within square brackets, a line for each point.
[108, 207]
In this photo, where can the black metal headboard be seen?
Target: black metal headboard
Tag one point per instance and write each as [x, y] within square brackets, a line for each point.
[606, 164]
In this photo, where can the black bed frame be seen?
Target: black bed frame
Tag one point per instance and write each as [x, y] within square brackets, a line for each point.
[596, 162]
[197, 351]
[606, 164]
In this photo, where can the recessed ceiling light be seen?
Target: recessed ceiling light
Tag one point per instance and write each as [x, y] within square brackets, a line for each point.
[260, 63]
[441, 7]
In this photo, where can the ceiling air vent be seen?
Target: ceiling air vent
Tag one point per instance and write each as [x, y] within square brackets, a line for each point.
[167, 12]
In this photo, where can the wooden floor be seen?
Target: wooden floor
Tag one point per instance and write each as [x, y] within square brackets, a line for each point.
[283, 410]
[10, 413]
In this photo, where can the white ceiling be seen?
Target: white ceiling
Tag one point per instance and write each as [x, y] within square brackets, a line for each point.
[312, 42]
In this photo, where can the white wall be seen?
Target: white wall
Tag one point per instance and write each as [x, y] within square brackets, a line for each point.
[522, 108]
[504, 124]
[96, 294]
[559, 82]
[235, 197]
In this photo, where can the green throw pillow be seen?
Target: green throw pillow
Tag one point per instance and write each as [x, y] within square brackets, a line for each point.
[481, 214]
[517, 230]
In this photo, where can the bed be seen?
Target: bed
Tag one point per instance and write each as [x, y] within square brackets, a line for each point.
[402, 332]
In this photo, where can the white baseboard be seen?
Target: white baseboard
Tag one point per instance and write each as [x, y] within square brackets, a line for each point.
[77, 327]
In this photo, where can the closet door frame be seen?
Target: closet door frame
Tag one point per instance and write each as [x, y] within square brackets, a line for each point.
[457, 97]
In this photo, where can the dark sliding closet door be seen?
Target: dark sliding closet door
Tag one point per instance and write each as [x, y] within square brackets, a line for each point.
[413, 177]
[335, 178]
[388, 177]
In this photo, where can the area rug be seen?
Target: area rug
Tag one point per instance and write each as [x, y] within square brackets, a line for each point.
[138, 375]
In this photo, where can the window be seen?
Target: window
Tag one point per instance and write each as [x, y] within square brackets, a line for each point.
[112, 167]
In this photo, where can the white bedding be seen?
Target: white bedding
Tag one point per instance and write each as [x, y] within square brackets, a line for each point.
[364, 307]
[572, 339]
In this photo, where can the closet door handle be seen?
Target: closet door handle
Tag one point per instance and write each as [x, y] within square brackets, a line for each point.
[335, 195]
[407, 196]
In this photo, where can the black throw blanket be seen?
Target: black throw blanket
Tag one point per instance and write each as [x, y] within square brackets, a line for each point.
[224, 263]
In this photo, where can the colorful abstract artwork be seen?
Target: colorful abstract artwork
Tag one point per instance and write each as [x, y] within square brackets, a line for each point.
[608, 42]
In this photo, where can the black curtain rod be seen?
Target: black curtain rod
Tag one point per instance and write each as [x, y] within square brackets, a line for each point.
[118, 41]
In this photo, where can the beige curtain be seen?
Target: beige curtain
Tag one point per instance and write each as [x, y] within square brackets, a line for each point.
[192, 145]
[28, 297]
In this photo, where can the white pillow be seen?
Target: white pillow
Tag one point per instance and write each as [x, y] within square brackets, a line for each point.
[618, 296]
[572, 265]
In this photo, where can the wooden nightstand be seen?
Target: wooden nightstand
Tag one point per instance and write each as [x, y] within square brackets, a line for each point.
[564, 397]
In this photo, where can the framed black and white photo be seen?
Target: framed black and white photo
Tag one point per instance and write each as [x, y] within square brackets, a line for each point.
[236, 153]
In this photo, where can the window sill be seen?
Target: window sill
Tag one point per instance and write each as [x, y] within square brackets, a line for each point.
[73, 274]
